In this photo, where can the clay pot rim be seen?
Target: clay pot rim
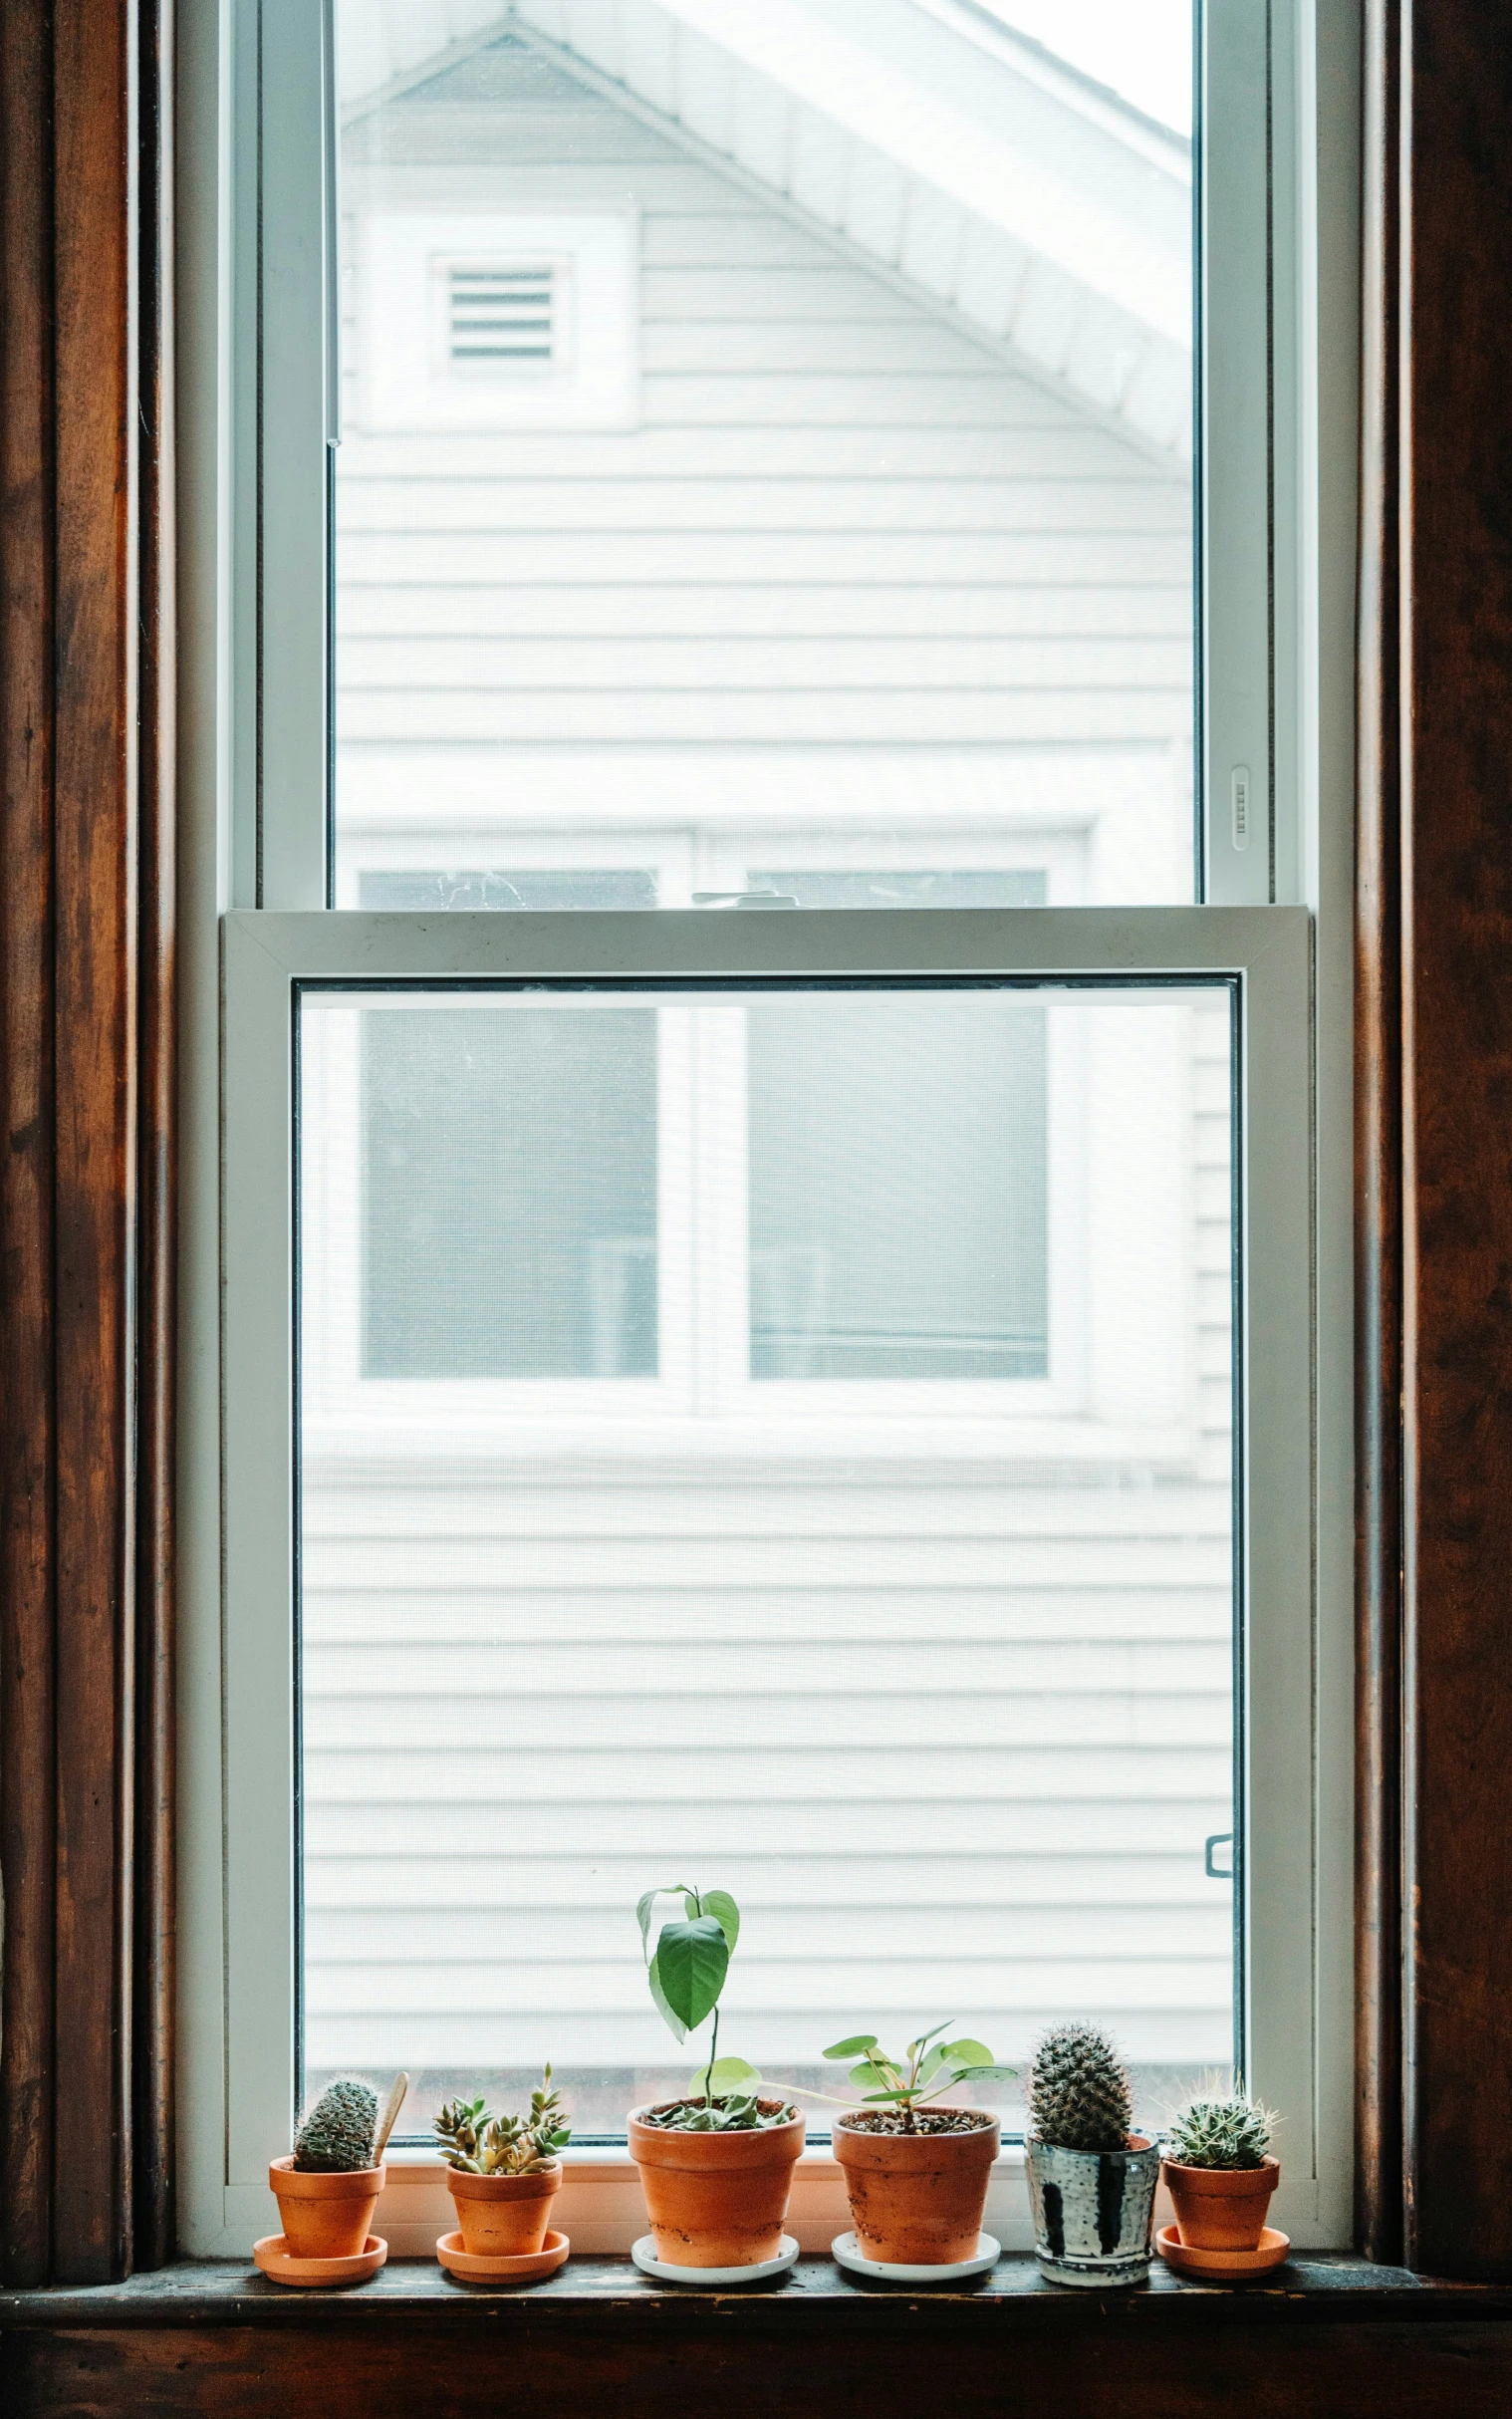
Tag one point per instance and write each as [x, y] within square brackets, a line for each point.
[324, 2183]
[465, 2187]
[1245, 2180]
[649, 2108]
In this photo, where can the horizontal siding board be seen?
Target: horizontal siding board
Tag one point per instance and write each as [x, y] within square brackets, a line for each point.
[745, 718]
[851, 508]
[422, 1932]
[776, 666]
[593, 1679]
[743, 1563]
[822, 610]
[968, 457]
[928, 559]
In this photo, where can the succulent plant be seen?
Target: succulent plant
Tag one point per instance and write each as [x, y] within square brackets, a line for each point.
[336, 2136]
[479, 2144]
[1078, 2095]
[1232, 2132]
[733, 2113]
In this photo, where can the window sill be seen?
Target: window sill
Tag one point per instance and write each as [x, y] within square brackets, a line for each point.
[222, 2292]
[1326, 2337]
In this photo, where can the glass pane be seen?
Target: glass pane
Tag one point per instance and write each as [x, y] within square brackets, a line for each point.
[766, 454]
[925, 1654]
[899, 1225]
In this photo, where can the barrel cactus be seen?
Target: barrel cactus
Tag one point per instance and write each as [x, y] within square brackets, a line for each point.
[1233, 2132]
[336, 2136]
[1079, 2095]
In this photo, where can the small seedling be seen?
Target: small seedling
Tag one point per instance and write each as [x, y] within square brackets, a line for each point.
[687, 1972]
[928, 2069]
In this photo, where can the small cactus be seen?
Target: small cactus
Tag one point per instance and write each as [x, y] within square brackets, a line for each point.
[479, 2144]
[1232, 2132]
[337, 2134]
[1078, 2095]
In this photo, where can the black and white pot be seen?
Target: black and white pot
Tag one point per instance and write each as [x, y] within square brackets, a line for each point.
[1094, 2212]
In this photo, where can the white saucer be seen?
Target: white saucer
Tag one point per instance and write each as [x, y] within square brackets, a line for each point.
[988, 2252]
[644, 2254]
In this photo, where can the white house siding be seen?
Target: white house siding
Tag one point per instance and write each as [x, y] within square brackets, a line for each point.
[954, 1732]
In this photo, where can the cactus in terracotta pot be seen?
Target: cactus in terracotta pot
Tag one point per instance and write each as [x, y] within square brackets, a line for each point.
[328, 2186]
[1219, 2172]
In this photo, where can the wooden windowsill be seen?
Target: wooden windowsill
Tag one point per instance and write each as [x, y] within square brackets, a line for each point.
[608, 2291]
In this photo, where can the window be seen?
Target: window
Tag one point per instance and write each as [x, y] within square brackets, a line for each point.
[770, 1314]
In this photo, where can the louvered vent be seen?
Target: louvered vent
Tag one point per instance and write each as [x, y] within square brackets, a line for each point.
[501, 320]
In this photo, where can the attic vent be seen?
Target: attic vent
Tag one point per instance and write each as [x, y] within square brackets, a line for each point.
[502, 319]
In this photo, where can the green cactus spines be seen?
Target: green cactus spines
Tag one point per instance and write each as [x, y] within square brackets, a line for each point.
[337, 2135]
[1079, 2095]
[1233, 2132]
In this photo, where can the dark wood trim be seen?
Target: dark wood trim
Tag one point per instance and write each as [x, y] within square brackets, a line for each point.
[1333, 2340]
[1435, 1157]
[1377, 1186]
[27, 1515]
[86, 1065]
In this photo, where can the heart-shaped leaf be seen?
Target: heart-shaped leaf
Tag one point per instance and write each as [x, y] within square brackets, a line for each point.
[692, 1960]
[644, 1906]
[852, 2047]
[722, 1907]
[669, 2014]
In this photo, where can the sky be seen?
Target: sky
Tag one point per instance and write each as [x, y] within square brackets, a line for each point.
[1142, 47]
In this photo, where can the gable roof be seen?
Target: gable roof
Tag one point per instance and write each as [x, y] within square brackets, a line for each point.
[1039, 209]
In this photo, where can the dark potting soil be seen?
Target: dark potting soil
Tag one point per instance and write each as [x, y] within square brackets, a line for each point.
[925, 2120]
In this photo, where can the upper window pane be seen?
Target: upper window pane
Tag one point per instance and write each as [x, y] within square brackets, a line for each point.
[767, 455]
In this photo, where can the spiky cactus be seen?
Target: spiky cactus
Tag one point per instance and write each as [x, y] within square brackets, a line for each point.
[478, 2144]
[336, 2136]
[1078, 2095]
[1235, 2132]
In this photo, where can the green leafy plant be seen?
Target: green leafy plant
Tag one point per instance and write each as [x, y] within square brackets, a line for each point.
[928, 2069]
[687, 1972]
[1078, 2092]
[1223, 2132]
[483, 2145]
[336, 2136]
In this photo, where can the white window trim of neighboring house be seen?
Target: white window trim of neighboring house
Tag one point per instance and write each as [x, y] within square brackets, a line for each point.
[704, 1402]
[1277, 576]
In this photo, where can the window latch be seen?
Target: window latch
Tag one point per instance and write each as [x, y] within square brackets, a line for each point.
[1216, 1839]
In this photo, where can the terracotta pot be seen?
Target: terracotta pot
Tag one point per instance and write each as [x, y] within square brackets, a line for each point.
[917, 2198]
[326, 2217]
[1222, 2208]
[504, 2216]
[716, 2200]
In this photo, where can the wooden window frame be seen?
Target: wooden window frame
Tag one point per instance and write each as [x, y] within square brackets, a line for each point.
[87, 1184]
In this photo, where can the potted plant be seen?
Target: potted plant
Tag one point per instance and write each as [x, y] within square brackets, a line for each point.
[917, 2173]
[1220, 2173]
[716, 2166]
[503, 2172]
[328, 2185]
[1091, 2182]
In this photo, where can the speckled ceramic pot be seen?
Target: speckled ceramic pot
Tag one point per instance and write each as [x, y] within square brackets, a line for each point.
[1092, 2212]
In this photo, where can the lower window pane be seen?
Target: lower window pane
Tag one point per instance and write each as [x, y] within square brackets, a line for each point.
[780, 1440]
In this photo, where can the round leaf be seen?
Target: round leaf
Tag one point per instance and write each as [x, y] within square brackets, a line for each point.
[967, 2053]
[852, 2047]
[692, 1960]
[726, 2075]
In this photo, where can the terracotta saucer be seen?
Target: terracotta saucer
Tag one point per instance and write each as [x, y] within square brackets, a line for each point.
[483, 2267]
[275, 2259]
[1223, 2267]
